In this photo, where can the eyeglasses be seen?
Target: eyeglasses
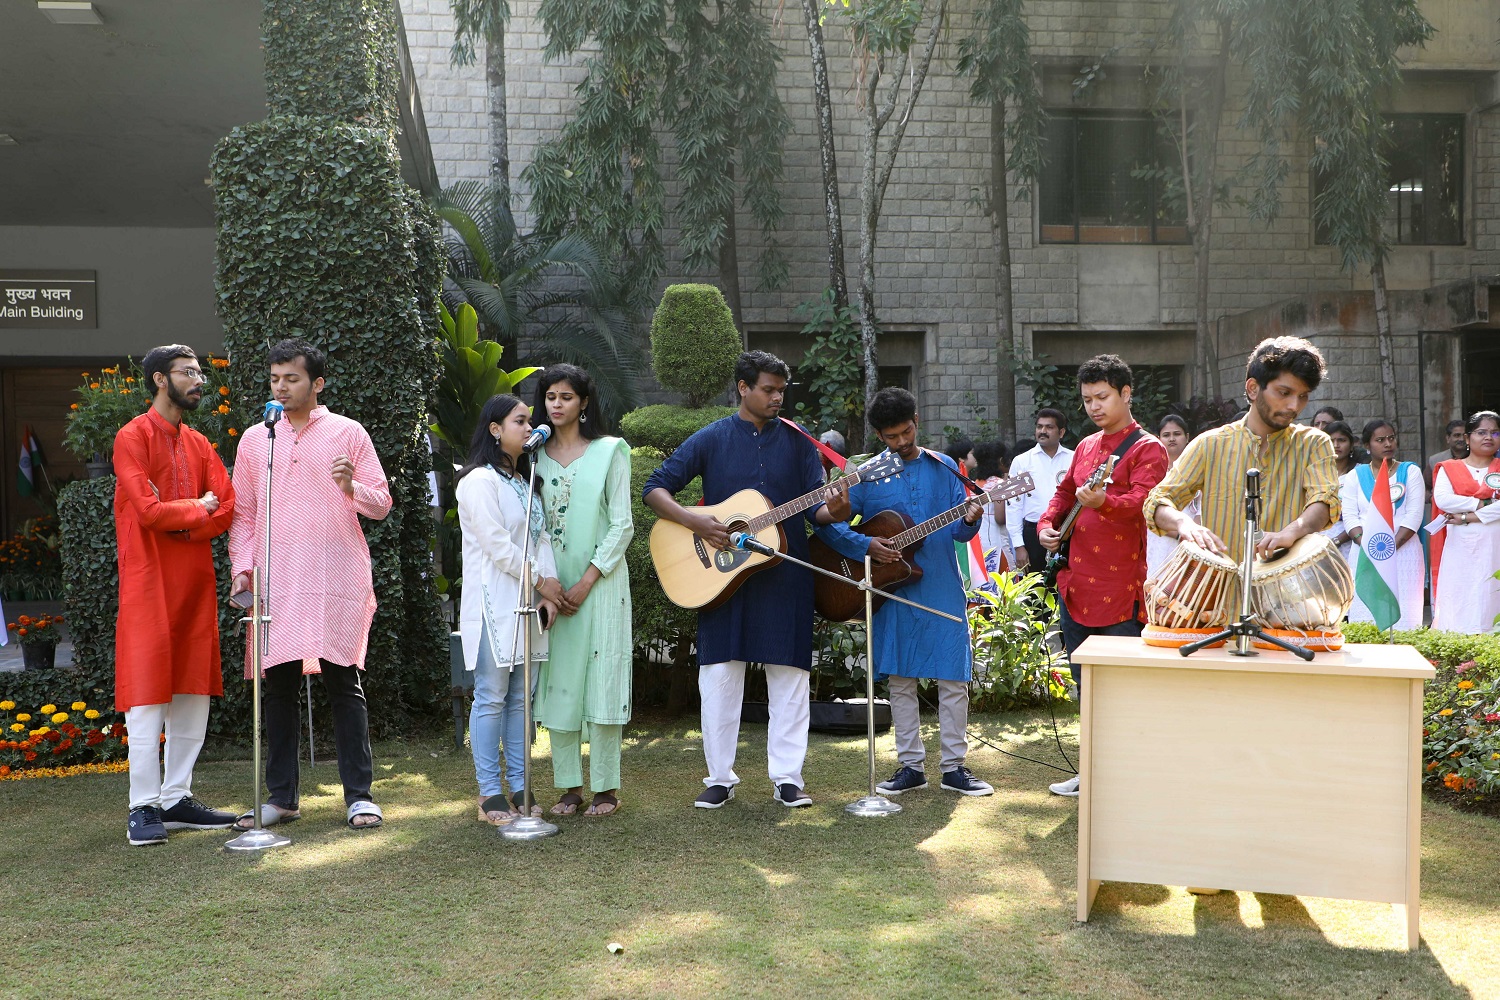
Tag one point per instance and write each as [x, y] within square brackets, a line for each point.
[193, 374]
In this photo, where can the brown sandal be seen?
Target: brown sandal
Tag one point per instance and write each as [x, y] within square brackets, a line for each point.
[603, 799]
[567, 805]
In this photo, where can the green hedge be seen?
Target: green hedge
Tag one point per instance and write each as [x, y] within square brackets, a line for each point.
[694, 343]
[1461, 706]
[664, 427]
[331, 57]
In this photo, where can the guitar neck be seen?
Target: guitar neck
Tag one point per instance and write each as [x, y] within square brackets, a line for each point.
[794, 507]
[1003, 491]
[1067, 526]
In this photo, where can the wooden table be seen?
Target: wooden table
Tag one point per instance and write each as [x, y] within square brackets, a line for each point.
[1259, 774]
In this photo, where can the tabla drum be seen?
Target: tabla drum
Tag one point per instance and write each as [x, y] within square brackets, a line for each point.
[1192, 596]
[1306, 591]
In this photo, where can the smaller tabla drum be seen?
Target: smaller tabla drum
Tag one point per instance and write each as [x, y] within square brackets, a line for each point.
[1305, 591]
[1194, 589]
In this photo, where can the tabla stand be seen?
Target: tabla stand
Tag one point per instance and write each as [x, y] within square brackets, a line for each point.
[527, 827]
[1247, 629]
[872, 803]
[258, 838]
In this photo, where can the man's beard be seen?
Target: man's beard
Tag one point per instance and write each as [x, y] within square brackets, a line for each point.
[183, 400]
[1268, 415]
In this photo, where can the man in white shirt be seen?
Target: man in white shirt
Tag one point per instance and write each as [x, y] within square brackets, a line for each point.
[1048, 462]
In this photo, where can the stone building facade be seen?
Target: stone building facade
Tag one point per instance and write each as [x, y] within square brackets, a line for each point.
[1103, 285]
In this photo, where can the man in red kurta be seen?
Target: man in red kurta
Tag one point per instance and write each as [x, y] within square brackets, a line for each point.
[171, 497]
[1099, 591]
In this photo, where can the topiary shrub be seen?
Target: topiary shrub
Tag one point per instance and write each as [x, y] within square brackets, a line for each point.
[694, 343]
[664, 427]
[319, 237]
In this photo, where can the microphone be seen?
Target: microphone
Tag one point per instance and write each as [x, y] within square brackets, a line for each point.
[1252, 483]
[537, 438]
[745, 540]
[274, 412]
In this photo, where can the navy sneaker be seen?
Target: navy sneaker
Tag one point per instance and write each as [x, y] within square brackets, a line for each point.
[791, 796]
[714, 796]
[145, 827]
[190, 814]
[904, 780]
[963, 782]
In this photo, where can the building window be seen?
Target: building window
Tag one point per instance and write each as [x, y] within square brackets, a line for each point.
[1424, 199]
[1108, 179]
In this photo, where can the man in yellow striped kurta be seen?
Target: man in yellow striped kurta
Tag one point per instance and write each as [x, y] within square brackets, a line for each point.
[1299, 484]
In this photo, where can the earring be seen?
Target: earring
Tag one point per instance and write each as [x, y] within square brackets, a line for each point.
[583, 418]
[497, 438]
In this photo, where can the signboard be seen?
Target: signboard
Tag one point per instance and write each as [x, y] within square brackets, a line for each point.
[47, 300]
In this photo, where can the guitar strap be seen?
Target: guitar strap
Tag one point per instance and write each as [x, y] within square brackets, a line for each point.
[838, 461]
[970, 486]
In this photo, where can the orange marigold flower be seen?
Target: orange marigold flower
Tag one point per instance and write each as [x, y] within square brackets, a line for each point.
[21, 631]
[75, 406]
[1465, 685]
[232, 432]
[224, 408]
[223, 390]
[4, 770]
[93, 385]
[30, 756]
[24, 619]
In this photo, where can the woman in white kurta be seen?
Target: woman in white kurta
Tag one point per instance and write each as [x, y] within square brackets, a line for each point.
[1408, 507]
[1343, 443]
[1174, 435]
[491, 496]
[1467, 594]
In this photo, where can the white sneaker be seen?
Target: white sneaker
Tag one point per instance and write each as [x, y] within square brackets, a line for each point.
[1068, 788]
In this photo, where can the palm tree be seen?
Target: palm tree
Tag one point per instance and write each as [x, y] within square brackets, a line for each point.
[559, 289]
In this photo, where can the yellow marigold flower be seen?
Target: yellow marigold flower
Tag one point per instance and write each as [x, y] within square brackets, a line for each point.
[24, 717]
[48, 709]
[92, 713]
[16, 727]
[60, 717]
[6, 706]
[1446, 711]
[42, 731]
[129, 378]
[1465, 685]
[75, 406]
[79, 706]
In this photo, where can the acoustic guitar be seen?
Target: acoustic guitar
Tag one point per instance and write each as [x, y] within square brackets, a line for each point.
[694, 574]
[1058, 561]
[842, 602]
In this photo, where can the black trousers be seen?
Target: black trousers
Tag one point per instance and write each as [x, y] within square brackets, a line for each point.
[1034, 550]
[351, 731]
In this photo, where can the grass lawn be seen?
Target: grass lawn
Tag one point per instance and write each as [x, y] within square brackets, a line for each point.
[954, 897]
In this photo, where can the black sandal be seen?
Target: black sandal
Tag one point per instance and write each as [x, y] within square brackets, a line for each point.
[518, 801]
[495, 803]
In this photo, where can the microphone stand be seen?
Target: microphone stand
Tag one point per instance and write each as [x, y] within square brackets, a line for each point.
[1247, 628]
[258, 838]
[872, 803]
[528, 827]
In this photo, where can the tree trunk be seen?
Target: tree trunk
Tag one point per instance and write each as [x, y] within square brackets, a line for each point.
[1201, 215]
[869, 218]
[999, 209]
[729, 274]
[1385, 344]
[494, 78]
[822, 102]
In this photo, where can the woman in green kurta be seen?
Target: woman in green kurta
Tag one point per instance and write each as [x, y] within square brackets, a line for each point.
[584, 690]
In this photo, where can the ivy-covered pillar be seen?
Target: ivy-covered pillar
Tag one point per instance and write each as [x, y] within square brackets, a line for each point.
[320, 238]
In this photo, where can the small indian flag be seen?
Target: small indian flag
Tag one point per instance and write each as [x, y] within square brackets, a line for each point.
[31, 463]
[1375, 572]
[971, 563]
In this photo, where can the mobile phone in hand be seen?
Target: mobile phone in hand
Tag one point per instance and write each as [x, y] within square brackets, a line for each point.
[243, 600]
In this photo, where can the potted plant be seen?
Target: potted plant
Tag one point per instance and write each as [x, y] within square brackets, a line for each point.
[38, 638]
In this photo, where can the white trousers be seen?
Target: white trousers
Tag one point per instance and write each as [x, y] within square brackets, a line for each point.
[722, 689]
[184, 720]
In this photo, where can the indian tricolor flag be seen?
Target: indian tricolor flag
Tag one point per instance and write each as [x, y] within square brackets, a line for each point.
[31, 463]
[1375, 572]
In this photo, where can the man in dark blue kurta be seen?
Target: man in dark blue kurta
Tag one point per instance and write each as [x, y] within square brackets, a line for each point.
[912, 644]
[769, 618]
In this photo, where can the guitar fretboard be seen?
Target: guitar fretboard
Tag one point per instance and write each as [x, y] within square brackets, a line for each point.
[1003, 490]
[793, 507]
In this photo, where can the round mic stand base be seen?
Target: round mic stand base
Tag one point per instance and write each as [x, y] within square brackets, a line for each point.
[872, 805]
[528, 828]
[258, 840]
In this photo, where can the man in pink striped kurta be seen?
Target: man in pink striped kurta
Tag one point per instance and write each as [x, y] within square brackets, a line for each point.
[322, 600]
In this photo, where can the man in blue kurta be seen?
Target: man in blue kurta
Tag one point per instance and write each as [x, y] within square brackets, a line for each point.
[769, 618]
[912, 644]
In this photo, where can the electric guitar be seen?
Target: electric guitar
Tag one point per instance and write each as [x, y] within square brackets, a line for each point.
[841, 602]
[694, 574]
[1058, 561]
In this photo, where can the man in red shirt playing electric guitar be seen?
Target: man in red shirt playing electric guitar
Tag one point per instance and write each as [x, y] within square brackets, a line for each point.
[1099, 590]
